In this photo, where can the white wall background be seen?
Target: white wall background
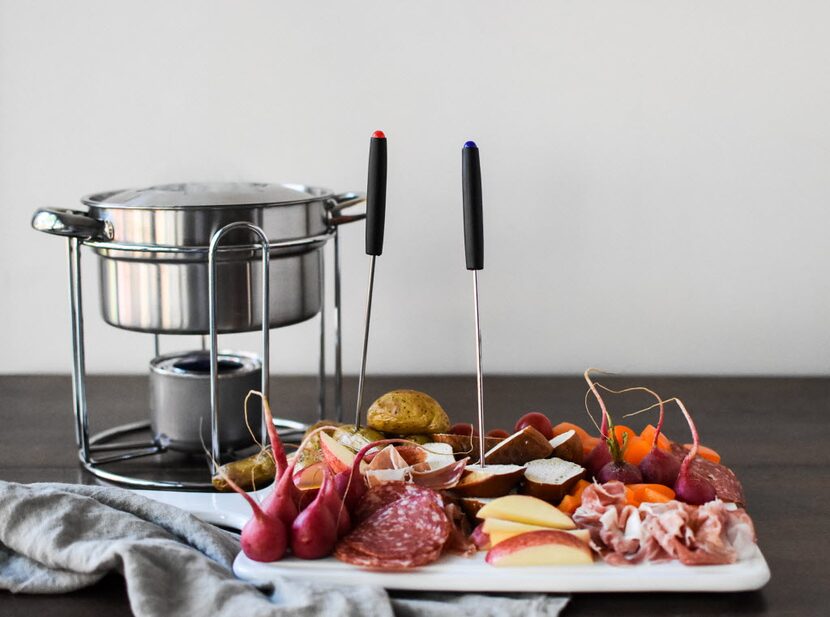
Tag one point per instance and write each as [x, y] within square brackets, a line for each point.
[656, 174]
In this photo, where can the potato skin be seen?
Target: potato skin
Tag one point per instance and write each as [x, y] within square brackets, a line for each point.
[406, 412]
[257, 470]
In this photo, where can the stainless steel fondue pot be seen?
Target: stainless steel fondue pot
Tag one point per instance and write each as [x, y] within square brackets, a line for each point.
[154, 261]
[200, 259]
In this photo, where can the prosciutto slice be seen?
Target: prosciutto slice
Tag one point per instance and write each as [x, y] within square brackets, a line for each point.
[410, 464]
[714, 533]
[442, 477]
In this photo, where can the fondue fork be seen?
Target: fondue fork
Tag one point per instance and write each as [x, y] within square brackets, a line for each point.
[474, 253]
[375, 218]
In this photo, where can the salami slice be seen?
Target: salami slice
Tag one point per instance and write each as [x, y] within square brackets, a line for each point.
[372, 562]
[408, 531]
[382, 495]
[402, 529]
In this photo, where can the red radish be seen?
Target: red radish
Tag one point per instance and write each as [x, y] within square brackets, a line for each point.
[659, 467]
[692, 489]
[617, 468]
[277, 449]
[350, 492]
[623, 472]
[498, 433]
[462, 428]
[314, 531]
[337, 508]
[600, 456]
[263, 536]
[284, 501]
[603, 430]
[281, 502]
[537, 420]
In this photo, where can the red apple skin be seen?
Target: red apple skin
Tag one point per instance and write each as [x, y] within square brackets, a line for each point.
[533, 538]
[499, 433]
[462, 428]
[537, 420]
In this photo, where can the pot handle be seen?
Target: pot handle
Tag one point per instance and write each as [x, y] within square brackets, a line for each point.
[340, 202]
[71, 223]
[345, 200]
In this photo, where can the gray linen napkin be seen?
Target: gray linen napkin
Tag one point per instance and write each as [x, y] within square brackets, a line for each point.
[56, 538]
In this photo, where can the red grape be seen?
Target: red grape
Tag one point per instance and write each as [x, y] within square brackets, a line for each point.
[462, 428]
[538, 421]
[498, 433]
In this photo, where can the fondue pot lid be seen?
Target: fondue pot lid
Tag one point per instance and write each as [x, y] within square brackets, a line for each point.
[206, 194]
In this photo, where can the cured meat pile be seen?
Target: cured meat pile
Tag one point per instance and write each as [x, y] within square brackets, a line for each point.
[399, 526]
[714, 533]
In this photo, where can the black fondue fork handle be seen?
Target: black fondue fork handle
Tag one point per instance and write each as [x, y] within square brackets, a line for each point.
[473, 221]
[375, 222]
[376, 194]
[474, 253]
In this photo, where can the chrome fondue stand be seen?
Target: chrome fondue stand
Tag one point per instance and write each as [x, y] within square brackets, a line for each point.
[92, 448]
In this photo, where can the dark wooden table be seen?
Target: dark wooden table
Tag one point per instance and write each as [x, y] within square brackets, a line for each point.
[772, 432]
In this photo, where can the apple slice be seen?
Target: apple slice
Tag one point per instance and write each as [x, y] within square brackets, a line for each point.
[500, 524]
[500, 530]
[337, 456]
[550, 547]
[528, 510]
[497, 537]
[489, 481]
[310, 477]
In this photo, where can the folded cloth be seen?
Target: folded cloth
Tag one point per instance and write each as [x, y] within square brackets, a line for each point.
[56, 538]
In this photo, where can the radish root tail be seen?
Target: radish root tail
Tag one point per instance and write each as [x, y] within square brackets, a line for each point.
[587, 375]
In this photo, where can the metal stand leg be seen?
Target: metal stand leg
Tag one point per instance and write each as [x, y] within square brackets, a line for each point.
[338, 349]
[76, 310]
[266, 329]
[156, 346]
[321, 379]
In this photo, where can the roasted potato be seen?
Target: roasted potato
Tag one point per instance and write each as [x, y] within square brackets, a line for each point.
[257, 470]
[407, 412]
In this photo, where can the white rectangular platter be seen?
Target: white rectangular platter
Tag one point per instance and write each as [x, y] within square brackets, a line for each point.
[473, 574]
[461, 574]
